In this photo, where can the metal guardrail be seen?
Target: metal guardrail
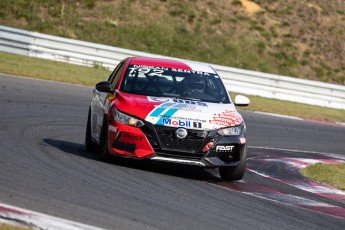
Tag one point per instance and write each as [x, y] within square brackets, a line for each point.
[40, 45]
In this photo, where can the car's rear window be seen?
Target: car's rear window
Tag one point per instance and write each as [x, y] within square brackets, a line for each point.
[171, 82]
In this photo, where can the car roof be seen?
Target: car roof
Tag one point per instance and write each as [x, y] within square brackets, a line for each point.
[170, 63]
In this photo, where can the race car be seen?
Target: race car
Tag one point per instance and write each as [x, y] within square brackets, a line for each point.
[168, 110]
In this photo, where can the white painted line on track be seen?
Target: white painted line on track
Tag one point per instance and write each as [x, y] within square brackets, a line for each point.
[12, 214]
[342, 124]
[333, 155]
[319, 189]
[294, 200]
[279, 115]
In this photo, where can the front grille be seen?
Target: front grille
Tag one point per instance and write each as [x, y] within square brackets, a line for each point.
[169, 141]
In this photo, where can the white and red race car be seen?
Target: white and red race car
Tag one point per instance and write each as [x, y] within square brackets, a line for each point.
[168, 110]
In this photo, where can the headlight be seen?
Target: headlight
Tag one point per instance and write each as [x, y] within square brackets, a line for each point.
[231, 131]
[128, 120]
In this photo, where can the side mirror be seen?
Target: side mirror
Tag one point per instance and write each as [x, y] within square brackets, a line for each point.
[241, 100]
[104, 86]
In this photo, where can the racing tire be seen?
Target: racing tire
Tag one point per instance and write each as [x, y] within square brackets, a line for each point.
[90, 146]
[236, 172]
[103, 151]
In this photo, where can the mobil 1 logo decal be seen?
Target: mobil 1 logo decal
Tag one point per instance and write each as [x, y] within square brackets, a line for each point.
[197, 125]
[182, 123]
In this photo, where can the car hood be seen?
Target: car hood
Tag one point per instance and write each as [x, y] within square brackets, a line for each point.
[179, 113]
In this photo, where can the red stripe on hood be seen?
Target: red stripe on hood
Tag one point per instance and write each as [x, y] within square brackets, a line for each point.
[133, 104]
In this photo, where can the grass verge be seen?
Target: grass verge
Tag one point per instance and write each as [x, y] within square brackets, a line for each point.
[63, 72]
[50, 70]
[4, 226]
[332, 174]
[294, 109]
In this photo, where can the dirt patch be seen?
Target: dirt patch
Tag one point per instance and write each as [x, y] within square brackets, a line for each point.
[251, 8]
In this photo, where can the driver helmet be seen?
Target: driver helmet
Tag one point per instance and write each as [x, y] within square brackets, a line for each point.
[195, 84]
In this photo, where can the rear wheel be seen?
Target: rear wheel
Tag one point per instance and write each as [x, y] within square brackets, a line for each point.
[90, 146]
[103, 151]
[237, 172]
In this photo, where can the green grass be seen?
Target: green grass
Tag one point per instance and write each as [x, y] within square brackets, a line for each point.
[294, 109]
[4, 226]
[89, 76]
[51, 70]
[332, 174]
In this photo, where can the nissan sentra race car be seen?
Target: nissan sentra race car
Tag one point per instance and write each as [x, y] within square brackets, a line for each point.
[168, 110]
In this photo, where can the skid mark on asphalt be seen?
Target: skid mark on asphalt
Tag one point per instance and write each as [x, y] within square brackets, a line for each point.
[273, 166]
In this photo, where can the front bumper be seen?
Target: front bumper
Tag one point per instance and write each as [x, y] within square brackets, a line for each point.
[159, 143]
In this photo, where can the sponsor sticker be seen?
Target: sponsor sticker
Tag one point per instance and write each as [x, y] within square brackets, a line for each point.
[190, 71]
[132, 137]
[227, 118]
[197, 103]
[193, 114]
[181, 107]
[183, 118]
[177, 123]
[197, 125]
[181, 123]
[159, 71]
[157, 99]
[224, 148]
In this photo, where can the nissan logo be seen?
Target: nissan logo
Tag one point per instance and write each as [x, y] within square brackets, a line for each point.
[181, 133]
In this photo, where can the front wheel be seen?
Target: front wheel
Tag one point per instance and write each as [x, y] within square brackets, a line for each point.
[90, 146]
[236, 172]
[103, 151]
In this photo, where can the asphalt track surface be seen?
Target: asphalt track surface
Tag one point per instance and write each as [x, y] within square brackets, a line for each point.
[44, 168]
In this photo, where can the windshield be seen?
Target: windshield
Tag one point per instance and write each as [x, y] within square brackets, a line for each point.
[177, 83]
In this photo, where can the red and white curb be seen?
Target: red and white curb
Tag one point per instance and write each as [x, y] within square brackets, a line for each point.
[264, 192]
[11, 214]
[329, 155]
[294, 164]
[315, 187]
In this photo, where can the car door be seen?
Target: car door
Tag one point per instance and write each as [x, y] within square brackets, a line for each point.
[100, 101]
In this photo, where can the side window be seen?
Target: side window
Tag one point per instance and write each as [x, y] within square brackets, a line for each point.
[115, 74]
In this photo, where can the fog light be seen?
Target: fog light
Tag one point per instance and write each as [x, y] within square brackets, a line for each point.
[243, 140]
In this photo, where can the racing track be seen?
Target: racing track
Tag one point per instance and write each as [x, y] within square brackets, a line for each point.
[44, 168]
